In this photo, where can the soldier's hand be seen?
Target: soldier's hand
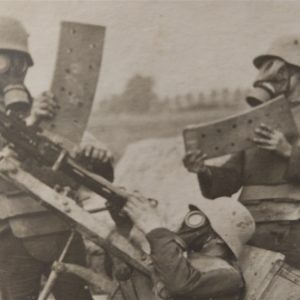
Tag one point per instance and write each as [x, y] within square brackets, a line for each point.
[143, 213]
[92, 155]
[43, 107]
[194, 161]
[6, 164]
[273, 140]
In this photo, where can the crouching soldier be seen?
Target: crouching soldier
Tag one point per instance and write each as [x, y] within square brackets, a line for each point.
[200, 261]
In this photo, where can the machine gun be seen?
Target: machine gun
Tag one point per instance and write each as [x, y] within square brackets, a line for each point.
[31, 143]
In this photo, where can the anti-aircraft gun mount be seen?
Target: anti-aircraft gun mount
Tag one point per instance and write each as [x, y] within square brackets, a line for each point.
[29, 142]
[264, 271]
[74, 85]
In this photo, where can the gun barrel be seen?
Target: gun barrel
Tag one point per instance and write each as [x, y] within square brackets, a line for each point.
[33, 144]
[95, 182]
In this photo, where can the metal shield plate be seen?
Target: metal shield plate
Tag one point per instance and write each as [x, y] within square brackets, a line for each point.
[75, 78]
[235, 133]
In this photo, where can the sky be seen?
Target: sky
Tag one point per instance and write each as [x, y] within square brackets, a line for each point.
[187, 46]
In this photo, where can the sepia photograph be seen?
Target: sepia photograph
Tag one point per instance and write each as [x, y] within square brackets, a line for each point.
[150, 150]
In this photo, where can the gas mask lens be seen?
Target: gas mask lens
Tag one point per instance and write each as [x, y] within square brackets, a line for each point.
[194, 219]
[19, 64]
[4, 63]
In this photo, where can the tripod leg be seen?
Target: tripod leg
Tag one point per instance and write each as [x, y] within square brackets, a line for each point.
[114, 293]
[128, 290]
[54, 273]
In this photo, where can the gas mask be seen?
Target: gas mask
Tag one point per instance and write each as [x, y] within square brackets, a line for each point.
[13, 68]
[194, 230]
[274, 78]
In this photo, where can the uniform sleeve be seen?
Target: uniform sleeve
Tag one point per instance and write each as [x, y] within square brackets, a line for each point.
[293, 170]
[224, 180]
[181, 278]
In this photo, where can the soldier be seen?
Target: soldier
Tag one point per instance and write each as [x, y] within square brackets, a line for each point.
[268, 173]
[200, 260]
[31, 236]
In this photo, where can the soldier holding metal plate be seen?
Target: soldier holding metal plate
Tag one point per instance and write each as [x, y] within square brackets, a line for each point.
[32, 236]
[269, 172]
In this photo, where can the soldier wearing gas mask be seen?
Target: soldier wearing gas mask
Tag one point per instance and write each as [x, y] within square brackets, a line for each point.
[200, 260]
[31, 236]
[269, 173]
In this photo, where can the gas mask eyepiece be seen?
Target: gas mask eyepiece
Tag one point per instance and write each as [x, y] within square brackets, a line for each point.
[4, 63]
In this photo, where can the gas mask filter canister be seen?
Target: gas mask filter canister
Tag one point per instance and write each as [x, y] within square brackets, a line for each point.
[272, 80]
[194, 230]
[194, 219]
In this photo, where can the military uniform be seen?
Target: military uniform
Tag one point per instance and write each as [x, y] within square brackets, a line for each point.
[211, 273]
[200, 260]
[270, 181]
[270, 190]
[31, 236]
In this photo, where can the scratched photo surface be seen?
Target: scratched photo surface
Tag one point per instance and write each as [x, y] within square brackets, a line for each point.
[159, 97]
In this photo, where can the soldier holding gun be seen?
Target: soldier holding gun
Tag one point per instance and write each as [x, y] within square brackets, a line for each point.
[31, 236]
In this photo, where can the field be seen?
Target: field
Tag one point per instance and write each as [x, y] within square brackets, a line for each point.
[117, 131]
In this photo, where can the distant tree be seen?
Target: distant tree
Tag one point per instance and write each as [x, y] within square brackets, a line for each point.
[225, 97]
[179, 102]
[138, 94]
[165, 104]
[213, 98]
[172, 103]
[201, 100]
[190, 101]
[238, 96]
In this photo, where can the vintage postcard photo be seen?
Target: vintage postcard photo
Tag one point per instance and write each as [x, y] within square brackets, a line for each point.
[150, 150]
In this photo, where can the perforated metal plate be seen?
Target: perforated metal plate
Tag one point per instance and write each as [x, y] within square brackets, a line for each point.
[235, 133]
[75, 78]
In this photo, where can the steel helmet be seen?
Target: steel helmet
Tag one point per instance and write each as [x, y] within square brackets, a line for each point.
[286, 48]
[13, 36]
[230, 220]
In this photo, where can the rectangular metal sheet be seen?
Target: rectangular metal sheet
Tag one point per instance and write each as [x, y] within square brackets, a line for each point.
[235, 133]
[259, 266]
[75, 78]
[285, 285]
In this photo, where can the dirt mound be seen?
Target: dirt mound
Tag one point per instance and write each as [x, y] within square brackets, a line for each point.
[154, 167]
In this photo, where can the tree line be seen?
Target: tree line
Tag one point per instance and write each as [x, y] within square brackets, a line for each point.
[139, 97]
